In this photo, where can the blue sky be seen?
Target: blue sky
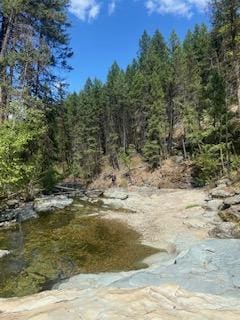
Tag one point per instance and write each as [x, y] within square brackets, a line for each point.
[104, 31]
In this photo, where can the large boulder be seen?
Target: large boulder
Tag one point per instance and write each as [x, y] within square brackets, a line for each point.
[232, 200]
[225, 230]
[4, 253]
[94, 194]
[222, 192]
[224, 182]
[24, 212]
[232, 214]
[50, 203]
[213, 205]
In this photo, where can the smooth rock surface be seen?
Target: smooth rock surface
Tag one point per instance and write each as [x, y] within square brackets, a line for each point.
[115, 193]
[174, 222]
[213, 205]
[211, 266]
[51, 203]
[152, 303]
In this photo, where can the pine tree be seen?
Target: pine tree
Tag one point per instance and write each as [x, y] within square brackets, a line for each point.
[226, 38]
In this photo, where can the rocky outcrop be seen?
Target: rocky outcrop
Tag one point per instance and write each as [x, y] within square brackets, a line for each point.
[117, 194]
[24, 212]
[224, 202]
[226, 230]
[50, 203]
[193, 277]
[213, 204]
[222, 192]
[168, 302]
[232, 200]
[4, 253]
[93, 194]
[210, 266]
[15, 211]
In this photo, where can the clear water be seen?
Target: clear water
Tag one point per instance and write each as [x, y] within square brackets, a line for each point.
[65, 243]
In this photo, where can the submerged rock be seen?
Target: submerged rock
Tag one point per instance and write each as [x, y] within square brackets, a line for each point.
[50, 203]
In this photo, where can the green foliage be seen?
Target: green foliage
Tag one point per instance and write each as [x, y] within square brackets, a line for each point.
[50, 178]
[125, 156]
[20, 151]
[207, 164]
[173, 98]
[151, 153]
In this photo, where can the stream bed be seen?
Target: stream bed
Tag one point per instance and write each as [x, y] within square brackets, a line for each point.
[64, 243]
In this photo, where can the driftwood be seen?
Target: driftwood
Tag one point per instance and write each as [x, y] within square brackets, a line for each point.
[64, 188]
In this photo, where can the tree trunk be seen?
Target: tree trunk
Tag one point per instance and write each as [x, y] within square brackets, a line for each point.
[184, 148]
[6, 27]
[238, 86]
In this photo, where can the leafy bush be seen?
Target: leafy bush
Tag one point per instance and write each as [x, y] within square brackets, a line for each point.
[207, 165]
[20, 151]
[151, 152]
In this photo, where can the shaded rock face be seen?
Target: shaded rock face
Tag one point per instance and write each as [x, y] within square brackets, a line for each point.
[232, 214]
[51, 203]
[232, 200]
[22, 213]
[15, 211]
[225, 230]
[224, 202]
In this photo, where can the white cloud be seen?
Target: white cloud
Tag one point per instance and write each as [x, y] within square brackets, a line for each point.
[85, 9]
[111, 7]
[178, 7]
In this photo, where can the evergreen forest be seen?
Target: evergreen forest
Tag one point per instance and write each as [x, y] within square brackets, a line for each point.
[177, 97]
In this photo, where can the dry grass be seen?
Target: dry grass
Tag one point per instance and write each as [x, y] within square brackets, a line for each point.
[172, 174]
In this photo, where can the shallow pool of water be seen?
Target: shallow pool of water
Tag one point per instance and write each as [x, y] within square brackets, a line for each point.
[65, 243]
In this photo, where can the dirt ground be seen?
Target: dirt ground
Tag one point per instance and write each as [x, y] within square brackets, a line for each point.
[173, 173]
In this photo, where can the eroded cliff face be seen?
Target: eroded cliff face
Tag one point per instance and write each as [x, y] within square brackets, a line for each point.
[193, 277]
